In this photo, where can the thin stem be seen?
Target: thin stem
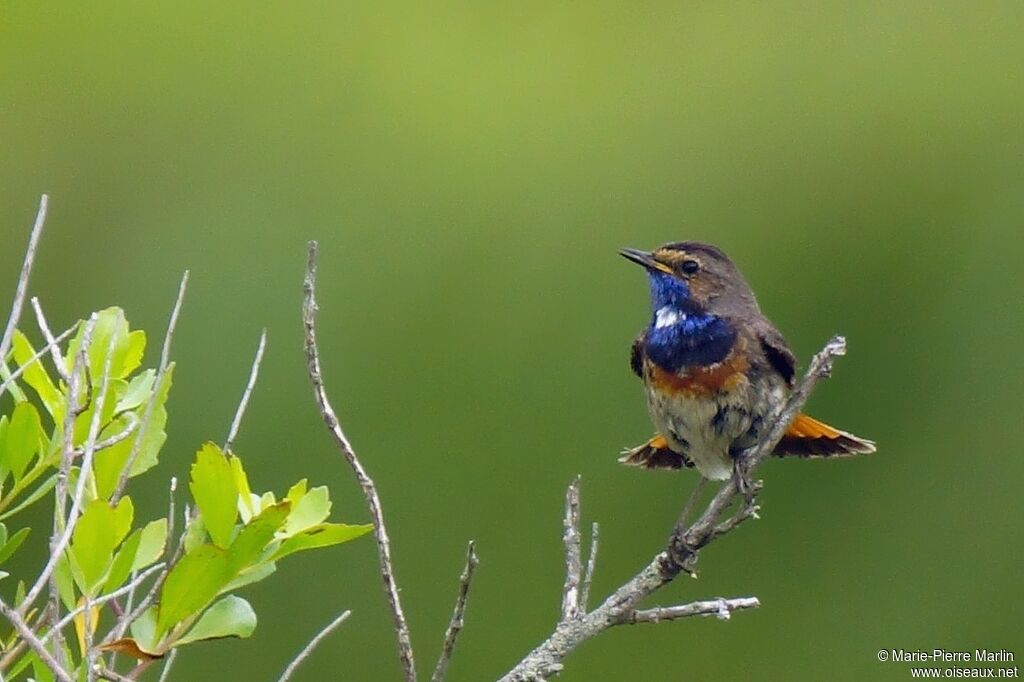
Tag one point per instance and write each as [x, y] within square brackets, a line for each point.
[30, 638]
[313, 643]
[26, 271]
[458, 614]
[309, 311]
[588, 576]
[165, 359]
[253, 375]
[720, 608]
[50, 345]
[573, 565]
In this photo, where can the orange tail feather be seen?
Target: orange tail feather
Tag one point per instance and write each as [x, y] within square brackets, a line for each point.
[808, 437]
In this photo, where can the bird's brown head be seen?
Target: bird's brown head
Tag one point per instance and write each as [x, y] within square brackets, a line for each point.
[696, 276]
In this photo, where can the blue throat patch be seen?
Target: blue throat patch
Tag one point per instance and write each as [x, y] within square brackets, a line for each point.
[692, 337]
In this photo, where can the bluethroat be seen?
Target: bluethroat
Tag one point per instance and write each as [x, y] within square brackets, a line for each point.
[715, 368]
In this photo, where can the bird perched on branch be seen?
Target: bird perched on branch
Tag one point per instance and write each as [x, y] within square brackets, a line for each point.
[715, 368]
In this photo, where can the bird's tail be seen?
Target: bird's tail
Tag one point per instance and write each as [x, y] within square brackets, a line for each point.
[808, 437]
[655, 454]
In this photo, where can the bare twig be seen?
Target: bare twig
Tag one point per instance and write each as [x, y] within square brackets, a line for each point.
[684, 544]
[29, 637]
[58, 361]
[309, 310]
[458, 614]
[165, 359]
[721, 608]
[588, 576]
[100, 601]
[112, 675]
[573, 566]
[313, 643]
[50, 345]
[61, 534]
[26, 270]
[166, 672]
[253, 375]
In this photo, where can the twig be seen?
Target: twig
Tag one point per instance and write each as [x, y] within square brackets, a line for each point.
[110, 441]
[30, 638]
[573, 566]
[100, 601]
[26, 270]
[112, 675]
[253, 375]
[684, 543]
[588, 576]
[58, 361]
[304, 654]
[166, 672]
[458, 614]
[59, 540]
[309, 310]
[39, 354]
[721, 608]
[165, 358]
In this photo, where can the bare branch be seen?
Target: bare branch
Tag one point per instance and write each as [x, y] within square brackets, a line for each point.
[165, 359]
[166, 672]
[309, 311]
[58, 361]
[684, 544]
[253, 374]
[458, 614]
[571, 539]
[313, 643]
[26, 270]
[721, 608]
[29, 637]
[59, 540]
[588, 576]
[50, 345]
[100, 601]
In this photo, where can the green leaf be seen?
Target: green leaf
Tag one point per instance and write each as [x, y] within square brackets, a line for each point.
[128, 347]
[123, 562]
[213, 487]
[37, 494]
[36, 377]
[323, 535]
[252, 575]
[111, 461]
[311, 509]
[65, 582]
[255, 536]
[246, 508]
[297, 492]
[23, 439]
[151, 545]
[99, 531]
[12, 544]
[138, 392]
[144, 631]
[230, 617]
[192, 584]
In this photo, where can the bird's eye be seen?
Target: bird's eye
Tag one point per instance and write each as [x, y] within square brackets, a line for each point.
[689, 267]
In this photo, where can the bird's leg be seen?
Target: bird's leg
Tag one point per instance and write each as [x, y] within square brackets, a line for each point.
[681, 523]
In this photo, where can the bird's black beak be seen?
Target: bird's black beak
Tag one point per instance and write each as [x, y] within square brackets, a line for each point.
[645, 259]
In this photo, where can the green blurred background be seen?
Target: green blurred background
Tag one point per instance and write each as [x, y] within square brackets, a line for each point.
[470, 170]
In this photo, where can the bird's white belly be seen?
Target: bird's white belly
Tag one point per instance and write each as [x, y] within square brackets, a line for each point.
[701, 427]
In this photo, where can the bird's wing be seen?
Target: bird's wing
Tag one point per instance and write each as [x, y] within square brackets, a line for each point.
[776, 351]
[636, 355]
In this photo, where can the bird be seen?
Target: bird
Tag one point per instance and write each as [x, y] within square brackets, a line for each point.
[715, 369]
